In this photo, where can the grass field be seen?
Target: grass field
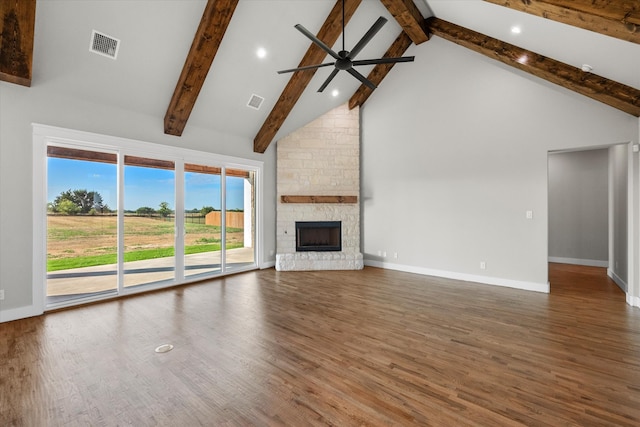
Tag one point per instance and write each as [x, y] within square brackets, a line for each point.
[83, 241]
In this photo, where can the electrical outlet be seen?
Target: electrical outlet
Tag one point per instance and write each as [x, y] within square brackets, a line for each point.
[384, 254]
[529, 214]
[1, 294]
[483, 265]
[395, 255]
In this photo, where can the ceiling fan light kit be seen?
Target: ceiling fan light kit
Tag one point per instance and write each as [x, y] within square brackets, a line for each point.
[345, 60]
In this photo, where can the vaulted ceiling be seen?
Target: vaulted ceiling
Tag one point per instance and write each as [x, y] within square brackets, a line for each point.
[194, 63]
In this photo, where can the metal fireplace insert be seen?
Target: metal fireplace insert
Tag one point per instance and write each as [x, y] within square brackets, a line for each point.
[318, 236]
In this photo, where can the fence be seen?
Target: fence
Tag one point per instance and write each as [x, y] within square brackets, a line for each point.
[234, 219]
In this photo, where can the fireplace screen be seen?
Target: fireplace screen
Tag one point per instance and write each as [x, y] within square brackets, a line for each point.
[318, 236]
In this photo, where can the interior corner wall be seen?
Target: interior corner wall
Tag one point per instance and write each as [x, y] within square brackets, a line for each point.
[619, 228]
[454, 153]
[43, 103]
[579, 207]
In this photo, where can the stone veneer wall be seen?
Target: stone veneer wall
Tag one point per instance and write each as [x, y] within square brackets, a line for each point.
[320, 159]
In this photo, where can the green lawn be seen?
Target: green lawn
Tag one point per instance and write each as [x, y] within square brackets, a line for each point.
[93, 260]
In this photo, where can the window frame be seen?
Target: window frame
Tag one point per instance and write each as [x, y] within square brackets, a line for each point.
[45, 136]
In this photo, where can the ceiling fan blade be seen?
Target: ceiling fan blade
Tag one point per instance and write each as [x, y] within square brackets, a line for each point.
[308, 67]
[383, 61]
[367, 37]
[362, 78]
[316, 40]
[326, 82]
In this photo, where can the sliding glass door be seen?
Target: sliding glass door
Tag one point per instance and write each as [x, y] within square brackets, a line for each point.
[240, 218]
[81, 223]
[202, 225]
[149, 221]
[118, 222]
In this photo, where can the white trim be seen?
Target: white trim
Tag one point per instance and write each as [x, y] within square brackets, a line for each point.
[495, 281]
[178, 223]
[267, 264]
[39, 241]
[44, 135]
[633, 301]
[7, 315]
[621, 283]
[578, 261]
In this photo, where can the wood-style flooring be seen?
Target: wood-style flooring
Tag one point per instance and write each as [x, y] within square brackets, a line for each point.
[371, 347]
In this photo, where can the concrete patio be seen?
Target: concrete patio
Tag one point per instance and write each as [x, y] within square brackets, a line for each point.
[87, 280]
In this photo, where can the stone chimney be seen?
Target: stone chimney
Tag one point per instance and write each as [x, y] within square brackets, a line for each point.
[319, 164]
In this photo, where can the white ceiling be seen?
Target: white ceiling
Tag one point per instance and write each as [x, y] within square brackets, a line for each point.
[156, 36]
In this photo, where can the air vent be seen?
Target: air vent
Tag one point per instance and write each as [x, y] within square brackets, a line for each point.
[255, 102]
[104, 45]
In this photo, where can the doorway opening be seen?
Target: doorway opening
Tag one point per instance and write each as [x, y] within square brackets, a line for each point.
[587, 192]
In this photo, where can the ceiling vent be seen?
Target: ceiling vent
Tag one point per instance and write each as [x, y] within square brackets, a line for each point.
[104, 45]
[255, 102]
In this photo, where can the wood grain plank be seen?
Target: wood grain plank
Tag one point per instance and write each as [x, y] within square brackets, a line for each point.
[17, 26]
[348, 348]
[380, 71]
[614, 18]
[409, 17]
[329, 33]
[614, 94]
[213, 24]
[319, 199]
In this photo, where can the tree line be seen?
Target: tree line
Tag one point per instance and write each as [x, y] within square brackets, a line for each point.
[84, 202]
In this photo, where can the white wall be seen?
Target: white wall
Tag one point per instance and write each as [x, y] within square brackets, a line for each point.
[619, 221]
[454, 152]
[43, 103]
[579, 207]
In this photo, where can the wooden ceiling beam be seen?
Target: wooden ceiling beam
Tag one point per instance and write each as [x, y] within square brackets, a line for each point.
[380, 71]
[615, 18]
[614, 94]
[17, 27]
[215, 20]
[409, 18]
[329, 33]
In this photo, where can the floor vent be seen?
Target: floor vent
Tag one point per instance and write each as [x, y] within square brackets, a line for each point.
[255, 102]
[104, 45]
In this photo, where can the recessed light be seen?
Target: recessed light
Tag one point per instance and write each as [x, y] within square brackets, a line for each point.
[261, 52]
[335, 93]
[516, 30]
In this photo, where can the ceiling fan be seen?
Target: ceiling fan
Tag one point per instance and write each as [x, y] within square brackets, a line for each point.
[345, 60]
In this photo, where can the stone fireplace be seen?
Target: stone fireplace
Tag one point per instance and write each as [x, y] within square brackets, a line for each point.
[318, 183]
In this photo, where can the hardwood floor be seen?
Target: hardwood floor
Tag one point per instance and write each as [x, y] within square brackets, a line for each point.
[370, 347]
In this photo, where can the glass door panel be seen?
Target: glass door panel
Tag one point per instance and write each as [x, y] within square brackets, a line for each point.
[149, 221]
[81, 223]
[202, 220]
[240, 218]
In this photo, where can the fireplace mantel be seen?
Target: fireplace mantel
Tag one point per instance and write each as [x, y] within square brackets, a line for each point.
[319, 199]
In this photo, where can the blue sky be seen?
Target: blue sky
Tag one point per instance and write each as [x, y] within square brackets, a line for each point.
[143, 186]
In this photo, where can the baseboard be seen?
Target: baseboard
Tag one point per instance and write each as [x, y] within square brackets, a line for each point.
[578, 261]
[7, 315]
[633, 301]
[267, 264]
[495, 281]
[618, 281]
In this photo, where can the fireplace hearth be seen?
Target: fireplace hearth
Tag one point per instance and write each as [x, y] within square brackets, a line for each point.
[318, 236]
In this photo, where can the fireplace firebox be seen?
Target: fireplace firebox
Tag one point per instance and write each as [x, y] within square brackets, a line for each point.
[318, 236]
